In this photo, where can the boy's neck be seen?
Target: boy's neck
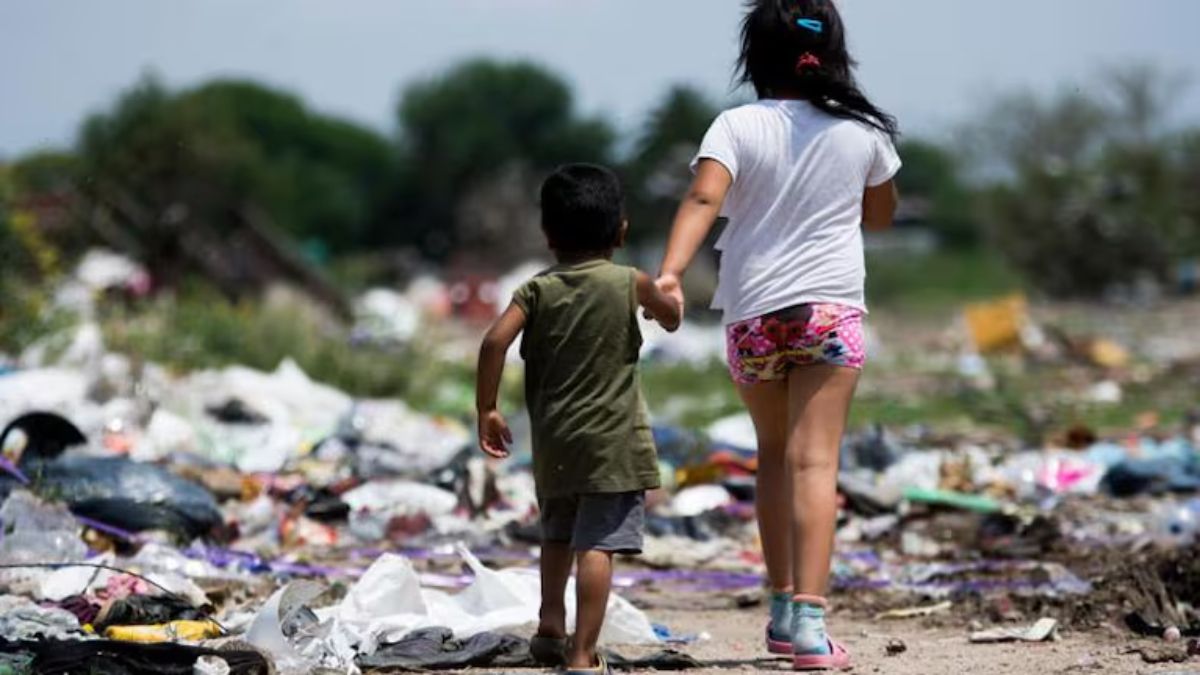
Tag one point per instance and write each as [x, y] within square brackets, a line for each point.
[576, 257]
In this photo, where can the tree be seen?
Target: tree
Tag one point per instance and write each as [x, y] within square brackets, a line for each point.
[932, 175]
[468, 133]
[318, 176]
[10, 246]
[213, 181]
[160, 178]
[227, 144]
[1096, 194]
[657, 173]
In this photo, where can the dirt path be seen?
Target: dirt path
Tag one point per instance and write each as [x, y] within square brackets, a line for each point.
[736, 647]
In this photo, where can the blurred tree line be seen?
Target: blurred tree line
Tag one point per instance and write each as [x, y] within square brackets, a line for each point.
[1100, 190]
[1079, 191]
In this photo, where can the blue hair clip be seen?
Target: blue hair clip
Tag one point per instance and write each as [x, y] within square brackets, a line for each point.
[814, 25]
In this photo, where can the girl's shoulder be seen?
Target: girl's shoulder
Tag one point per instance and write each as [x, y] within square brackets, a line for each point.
[749, 110]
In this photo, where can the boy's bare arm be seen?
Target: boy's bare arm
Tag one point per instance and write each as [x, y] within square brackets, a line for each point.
[659, 306]
[494, 435]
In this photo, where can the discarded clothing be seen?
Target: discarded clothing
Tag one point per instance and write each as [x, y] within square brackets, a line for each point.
[1150, 476]
[27, 622]
[144, 610]
[436, 649]
[84, 610]
[667, 659]
[53, 657]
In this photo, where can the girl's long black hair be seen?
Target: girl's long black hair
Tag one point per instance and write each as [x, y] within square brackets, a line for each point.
[784, 56]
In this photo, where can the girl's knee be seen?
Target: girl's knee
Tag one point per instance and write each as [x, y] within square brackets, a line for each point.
[813, 463]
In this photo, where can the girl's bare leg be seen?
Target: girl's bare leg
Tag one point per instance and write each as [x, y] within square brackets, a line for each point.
[768, 406]
[818, 404]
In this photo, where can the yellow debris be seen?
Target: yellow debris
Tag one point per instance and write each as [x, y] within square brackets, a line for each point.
[997, 325]
[192, 631]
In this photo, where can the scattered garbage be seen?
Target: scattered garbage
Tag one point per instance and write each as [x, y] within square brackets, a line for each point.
[998, 324]
[914, 612]
[895, 647]
[148, 516]
[1044, 629]
[133, 496]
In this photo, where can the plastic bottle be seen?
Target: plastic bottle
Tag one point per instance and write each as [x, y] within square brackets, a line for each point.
[1179, 523]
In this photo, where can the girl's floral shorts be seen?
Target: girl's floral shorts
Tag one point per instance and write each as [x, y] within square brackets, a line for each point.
[765, 348]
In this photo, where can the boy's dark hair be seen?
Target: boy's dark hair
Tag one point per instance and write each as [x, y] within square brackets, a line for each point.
[798, 48]
[582, 208]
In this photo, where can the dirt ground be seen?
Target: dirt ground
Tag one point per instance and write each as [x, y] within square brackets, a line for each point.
[736, 646]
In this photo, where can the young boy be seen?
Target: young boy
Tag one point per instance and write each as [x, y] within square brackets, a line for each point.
[593, 454]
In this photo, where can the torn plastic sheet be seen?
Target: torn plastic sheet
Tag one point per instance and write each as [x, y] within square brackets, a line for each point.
[297, 641]
[299, 412]
[389, 602]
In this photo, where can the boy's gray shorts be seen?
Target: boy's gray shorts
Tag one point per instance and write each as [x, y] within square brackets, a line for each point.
[596, 522]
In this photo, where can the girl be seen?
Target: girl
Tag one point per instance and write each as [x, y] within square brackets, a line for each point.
[797, 174]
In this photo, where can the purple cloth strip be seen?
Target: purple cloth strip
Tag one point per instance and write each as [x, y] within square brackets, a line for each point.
[110, 529]
[12, 470]
[688, 580]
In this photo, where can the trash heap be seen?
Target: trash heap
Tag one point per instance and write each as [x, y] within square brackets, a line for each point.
[240, 521]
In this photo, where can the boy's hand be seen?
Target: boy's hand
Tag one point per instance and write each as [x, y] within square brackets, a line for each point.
[494, 435]
[671, 287]
[666, 309]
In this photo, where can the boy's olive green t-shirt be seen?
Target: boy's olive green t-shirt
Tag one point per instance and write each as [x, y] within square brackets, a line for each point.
[591, 431]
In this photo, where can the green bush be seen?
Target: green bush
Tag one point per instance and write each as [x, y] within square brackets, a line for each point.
[200, 330]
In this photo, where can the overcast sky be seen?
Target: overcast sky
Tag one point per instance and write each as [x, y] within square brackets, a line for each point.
[930, 62]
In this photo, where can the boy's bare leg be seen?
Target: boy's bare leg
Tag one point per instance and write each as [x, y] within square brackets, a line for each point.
[593, 580]
[556, 569]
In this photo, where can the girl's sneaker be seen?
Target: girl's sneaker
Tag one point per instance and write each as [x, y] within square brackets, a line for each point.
[777, 644]
[811, 647]
[779, 630]
[837, 659]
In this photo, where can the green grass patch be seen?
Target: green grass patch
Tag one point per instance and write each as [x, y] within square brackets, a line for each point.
[692, 397]
[27, 316]
[937, 281]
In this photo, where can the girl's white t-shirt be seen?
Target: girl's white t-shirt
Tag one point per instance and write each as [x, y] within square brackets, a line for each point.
[794, 234]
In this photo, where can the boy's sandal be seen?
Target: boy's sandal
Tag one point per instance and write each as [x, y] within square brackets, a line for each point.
[548, 651]
[600, 669]
[837, 659]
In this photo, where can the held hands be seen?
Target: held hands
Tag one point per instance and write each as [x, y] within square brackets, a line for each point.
[670, 286]
[494, 435]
